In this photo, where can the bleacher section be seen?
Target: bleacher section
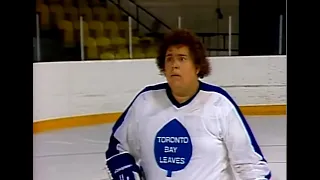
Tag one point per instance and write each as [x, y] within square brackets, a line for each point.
[105, 29]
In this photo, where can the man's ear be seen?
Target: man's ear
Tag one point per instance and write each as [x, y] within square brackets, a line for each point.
[198, 70]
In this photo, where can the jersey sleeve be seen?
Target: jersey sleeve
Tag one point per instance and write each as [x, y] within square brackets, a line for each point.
[123, 134]
[244, 153]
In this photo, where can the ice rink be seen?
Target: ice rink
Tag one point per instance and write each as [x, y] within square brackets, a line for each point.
[78, 153]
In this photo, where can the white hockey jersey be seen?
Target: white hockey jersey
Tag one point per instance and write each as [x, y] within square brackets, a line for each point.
[197, 140]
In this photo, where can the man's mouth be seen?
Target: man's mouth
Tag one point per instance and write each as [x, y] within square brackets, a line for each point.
[175, 75]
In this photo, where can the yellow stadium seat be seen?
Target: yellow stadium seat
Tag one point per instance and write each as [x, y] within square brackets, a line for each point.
[90, 42]
[68, 39]
[86, 12]
[137, 49]
[67, 28]
[85, 26]
[103, 44]
[71, 13]
[65, 25]
[92, 53]
[107, 56]
[151, 53]
[43, 10]
[123, 25]
[99, 14]
[76, 26]
[123, 50]
[91, 48]
[56, 13]
[111, 28]
[96, 28]
[135, 40]
[138, 55]
[118, 41]
[122, 55]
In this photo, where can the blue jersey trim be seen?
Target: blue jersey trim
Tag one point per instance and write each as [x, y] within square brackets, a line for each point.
[212, 88]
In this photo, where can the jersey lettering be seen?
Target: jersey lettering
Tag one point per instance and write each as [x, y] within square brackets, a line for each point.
[173, 147]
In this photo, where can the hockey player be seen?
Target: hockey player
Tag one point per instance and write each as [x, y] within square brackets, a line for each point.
[184, 129]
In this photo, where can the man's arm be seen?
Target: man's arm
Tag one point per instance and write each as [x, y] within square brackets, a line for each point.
[122, 150]
[244, 153]
[121, 131]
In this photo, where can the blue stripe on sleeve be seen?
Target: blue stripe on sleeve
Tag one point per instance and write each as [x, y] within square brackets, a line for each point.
[211, 88]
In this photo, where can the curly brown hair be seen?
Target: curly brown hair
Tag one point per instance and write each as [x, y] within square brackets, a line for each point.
[196, 48]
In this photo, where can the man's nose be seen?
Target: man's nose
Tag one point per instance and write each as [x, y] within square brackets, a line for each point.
[175, 63]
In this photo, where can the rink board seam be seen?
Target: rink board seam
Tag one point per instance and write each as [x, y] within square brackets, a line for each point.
[88, 120]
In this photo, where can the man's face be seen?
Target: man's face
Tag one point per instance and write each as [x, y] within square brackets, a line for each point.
[180, 69]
